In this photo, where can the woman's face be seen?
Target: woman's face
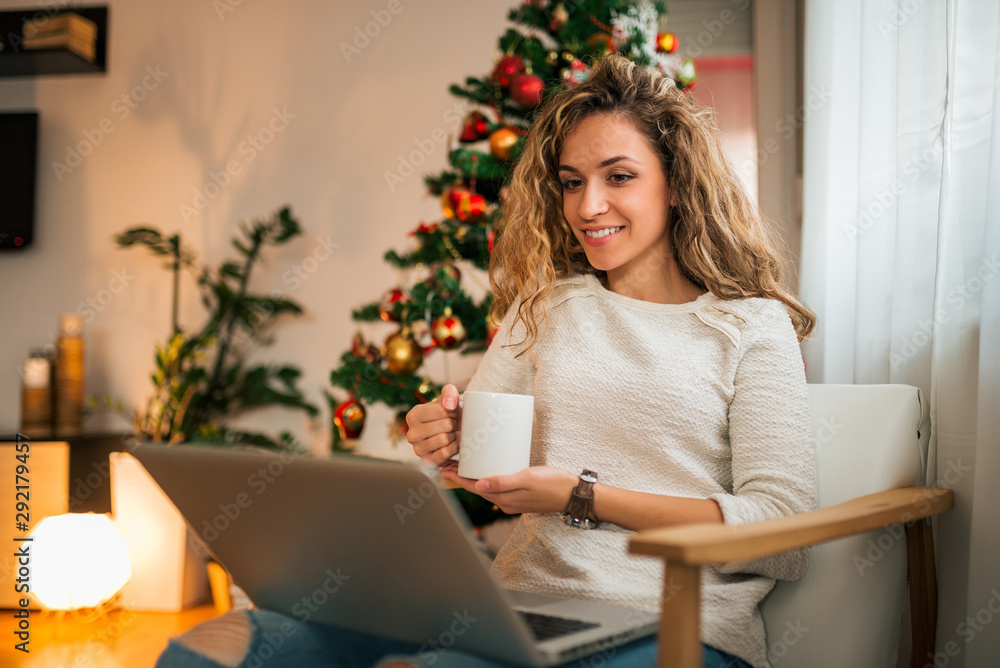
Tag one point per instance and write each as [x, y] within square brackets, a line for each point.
[615, 197]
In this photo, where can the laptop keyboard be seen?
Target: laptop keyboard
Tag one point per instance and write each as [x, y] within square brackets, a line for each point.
[545, 627]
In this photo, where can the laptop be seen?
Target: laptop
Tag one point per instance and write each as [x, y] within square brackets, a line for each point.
[373, 546]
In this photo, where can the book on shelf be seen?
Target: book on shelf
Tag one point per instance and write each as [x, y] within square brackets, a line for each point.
[60, 24]
[81, 47]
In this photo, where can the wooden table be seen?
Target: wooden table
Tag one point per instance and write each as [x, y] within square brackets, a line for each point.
[116, 639]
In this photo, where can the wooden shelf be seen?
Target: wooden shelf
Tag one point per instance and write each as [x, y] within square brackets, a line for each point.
[17, 62]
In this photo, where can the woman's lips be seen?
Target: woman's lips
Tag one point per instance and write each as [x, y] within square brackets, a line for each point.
[601, 241]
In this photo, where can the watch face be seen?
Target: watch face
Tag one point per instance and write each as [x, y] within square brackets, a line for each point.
[588, 476]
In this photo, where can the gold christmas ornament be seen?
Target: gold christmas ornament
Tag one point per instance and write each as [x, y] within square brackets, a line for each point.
[502, 141]
[403, 354]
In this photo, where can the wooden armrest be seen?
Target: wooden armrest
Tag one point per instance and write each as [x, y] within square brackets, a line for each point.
[697, 544]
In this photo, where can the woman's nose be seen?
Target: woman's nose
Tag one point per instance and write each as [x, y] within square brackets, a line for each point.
[593, 202]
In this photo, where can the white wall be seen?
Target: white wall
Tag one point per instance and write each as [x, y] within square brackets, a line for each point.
[222, 77]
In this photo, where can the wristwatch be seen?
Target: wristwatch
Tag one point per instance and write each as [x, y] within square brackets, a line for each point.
[579, 512]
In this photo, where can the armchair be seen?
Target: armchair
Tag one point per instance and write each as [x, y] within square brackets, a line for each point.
[871, 447]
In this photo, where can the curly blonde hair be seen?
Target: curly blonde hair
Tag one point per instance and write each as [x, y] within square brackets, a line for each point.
[719, 238]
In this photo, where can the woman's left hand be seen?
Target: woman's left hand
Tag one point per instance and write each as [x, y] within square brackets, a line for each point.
[536, 489]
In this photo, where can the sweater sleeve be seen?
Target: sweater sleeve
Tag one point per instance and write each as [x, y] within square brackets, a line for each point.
[501, 369]
[773, 462]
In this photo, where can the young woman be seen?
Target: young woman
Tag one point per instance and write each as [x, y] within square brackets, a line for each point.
[641, 307]
[643, 312]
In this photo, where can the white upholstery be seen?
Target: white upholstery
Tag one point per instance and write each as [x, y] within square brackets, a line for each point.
[847, 609]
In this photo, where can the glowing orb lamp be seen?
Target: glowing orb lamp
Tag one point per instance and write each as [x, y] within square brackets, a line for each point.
[78, 560]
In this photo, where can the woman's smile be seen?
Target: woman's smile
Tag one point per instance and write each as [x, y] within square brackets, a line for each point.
[601, 236]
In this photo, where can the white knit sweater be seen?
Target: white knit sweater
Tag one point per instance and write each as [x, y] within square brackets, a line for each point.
[705, 399]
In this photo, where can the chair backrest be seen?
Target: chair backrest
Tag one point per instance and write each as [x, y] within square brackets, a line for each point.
[847, 609]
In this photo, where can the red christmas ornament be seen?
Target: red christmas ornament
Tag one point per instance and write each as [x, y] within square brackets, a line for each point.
[448, 331]
[451, 198]
[350, 418]
[474, 128]
[490, 238]
[507, 67]
[527, 90]
[423, 227]
[471, 207]
[666, 42]
[387, 306]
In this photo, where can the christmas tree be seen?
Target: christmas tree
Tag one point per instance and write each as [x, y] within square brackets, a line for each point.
[550, 47]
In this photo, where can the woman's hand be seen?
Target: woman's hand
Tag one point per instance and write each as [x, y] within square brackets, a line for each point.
[433, 428]
[536, 489]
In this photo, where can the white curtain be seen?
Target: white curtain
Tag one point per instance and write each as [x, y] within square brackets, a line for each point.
[901, 256]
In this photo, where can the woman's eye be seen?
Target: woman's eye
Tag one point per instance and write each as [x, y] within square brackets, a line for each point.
[620, 178]
[571, 184]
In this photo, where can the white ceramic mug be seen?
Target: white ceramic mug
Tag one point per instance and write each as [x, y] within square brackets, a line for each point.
[496, 434]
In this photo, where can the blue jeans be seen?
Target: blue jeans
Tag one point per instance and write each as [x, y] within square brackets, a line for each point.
[283, 641]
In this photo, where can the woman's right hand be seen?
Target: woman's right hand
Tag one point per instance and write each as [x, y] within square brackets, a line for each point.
[433, 428]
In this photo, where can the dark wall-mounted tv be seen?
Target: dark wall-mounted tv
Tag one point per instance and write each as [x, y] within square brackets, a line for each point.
[18, 164]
